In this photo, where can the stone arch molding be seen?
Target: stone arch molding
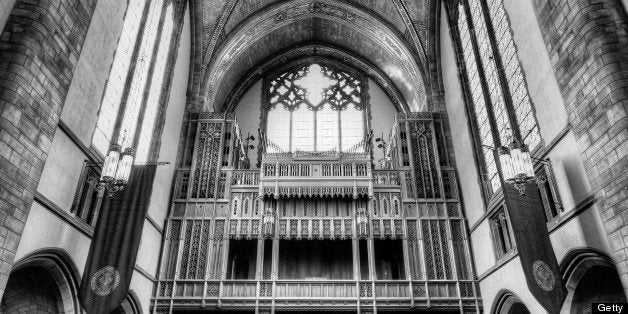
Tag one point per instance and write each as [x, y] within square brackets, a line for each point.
[404, 70]
[131, 304]
[61, 269]
[505, 302]
[575, 265]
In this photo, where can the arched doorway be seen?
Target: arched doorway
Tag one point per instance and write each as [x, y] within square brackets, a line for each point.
[42, 282]
[590, 277]
[31, 290]
[599, 284]
[508, 303]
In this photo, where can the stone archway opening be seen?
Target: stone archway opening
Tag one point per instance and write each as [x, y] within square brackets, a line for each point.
[43, 282]
[598, 284]
[32, 290]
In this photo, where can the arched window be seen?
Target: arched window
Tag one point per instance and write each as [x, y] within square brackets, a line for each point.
[396, 207]
[235, 207]
[385, 206]
[315, 108]
[245, 207]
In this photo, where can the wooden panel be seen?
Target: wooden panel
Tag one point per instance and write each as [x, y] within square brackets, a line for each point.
[315, 260]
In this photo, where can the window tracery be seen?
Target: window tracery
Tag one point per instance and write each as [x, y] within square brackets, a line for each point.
[315, 108]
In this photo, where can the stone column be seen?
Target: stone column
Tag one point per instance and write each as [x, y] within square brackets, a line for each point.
[39, 49]
[588, 46]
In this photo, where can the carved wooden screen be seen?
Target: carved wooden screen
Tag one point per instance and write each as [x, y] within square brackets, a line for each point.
[425, 160]
[172, 249]
[437, 247]
[194, 252]
[207, 153]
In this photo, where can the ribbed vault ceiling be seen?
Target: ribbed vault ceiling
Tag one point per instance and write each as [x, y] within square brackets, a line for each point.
[234, 38]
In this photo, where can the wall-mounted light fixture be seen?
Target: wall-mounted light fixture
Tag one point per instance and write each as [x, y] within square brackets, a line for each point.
[116, 169]
[516, 164]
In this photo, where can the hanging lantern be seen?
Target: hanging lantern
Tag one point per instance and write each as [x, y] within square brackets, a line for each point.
[116, 169]
[516, 165]
[111, 164]
[124, 167]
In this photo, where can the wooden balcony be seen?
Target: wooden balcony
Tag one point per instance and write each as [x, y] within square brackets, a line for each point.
[245, 177]
[340, 178]
[329, 294]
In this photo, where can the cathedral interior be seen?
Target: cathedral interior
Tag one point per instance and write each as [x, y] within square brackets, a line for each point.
[373, 156]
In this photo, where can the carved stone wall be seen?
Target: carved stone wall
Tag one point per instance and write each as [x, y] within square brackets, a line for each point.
[39, 49]
[589, 52]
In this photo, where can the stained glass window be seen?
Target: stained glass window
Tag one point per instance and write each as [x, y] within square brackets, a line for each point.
[479, 105]
[135, 108]
[154, 93]
[315, 108]
[490, 70]
[302, 129]
[352, 127]
[327, 129]
[117, 76]
[503, 113]
[514, 75]
[140, 76]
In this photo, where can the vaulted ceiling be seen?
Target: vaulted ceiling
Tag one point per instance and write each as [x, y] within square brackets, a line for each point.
[235, 41]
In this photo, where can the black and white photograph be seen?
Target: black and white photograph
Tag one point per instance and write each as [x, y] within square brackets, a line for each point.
[313, 156]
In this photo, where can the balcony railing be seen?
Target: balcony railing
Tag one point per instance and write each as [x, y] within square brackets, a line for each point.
[318, 289]
[245, 177]
[386, 178]
[316, 169]
[324, 228]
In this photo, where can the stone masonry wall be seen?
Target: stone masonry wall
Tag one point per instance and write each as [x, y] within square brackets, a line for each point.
[587, 43]
[39, 49]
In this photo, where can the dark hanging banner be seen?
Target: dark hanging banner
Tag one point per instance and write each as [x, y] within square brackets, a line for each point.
[534, 247]
[116, 240]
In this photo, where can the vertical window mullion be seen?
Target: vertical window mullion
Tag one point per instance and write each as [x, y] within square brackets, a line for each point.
[500, 75]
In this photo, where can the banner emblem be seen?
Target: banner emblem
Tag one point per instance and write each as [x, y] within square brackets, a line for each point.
[105, 280]
[543, 275]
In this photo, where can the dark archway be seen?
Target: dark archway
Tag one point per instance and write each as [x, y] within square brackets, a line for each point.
[46, 276]
[599, 284]
[590, 276]
[31, 290]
